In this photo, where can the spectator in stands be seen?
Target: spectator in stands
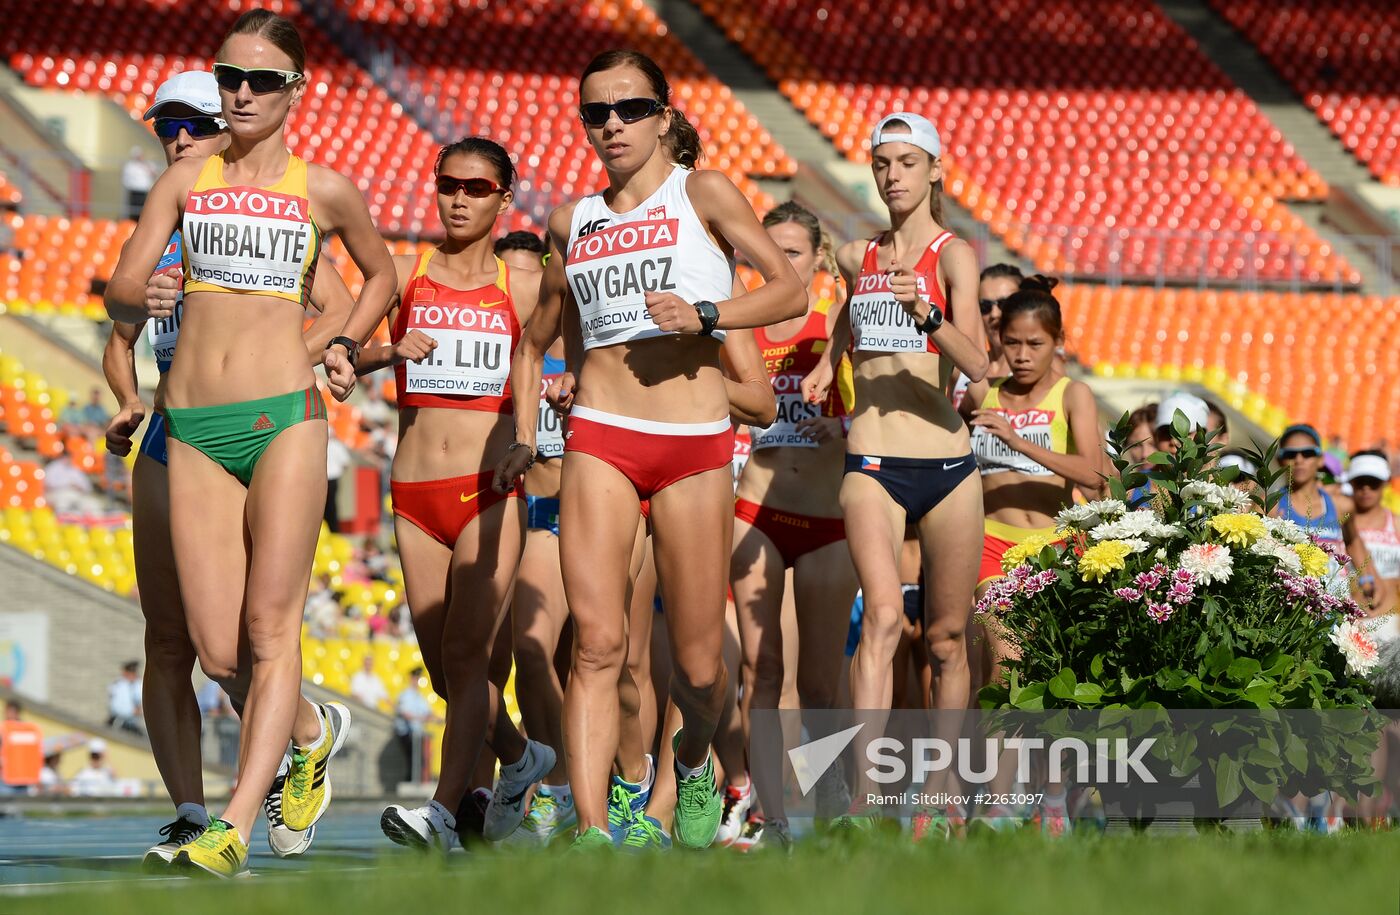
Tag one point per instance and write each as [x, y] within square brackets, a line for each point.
[217, 712]
[96, 779]
[1196, 411]
[338, 461]
[366, 685]
[1215, 419]
[95, 414]
[412, 713]
[376, 562]
[375, 410]
[49, 781]
[124, 700]
[13, 710]
[138, 177]
[1141, 438]
[322, 613]
[70, 491]
[71, 418]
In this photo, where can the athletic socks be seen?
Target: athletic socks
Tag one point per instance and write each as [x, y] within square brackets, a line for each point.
[561, 793]
[517, 768]
[195, 813]
[687, 773]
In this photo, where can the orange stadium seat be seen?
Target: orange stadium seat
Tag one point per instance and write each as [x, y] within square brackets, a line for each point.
[1343, 59]
[1094, 136]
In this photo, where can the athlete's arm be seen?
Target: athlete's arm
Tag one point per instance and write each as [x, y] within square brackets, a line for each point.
[817, 385]
[963, 338]
[332, 299]
[415, 345]
[126, 298]
[343, 210]
[751, 397]
[1356, 549]
[728, 216]
[972, 400]
[1081, 469]
[119, 367]
[527, 365]
[564, 389]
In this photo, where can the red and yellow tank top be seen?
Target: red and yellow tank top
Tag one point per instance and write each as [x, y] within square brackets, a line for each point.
[879, 324]
[476, 332]
[788, 362]
[1046, 424]
[250, 240]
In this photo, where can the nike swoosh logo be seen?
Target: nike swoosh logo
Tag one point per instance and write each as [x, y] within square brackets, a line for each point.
[492, 304]
[947, 466]
[467, 498]
[515, 799]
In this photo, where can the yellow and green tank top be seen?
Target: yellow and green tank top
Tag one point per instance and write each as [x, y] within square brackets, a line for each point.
[1046, 424]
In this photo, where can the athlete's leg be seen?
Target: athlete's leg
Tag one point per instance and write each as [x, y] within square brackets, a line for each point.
[484, 562]
[641, 616]
[757, 578]
[284, 506]
[731, 750]
[631, 760]
[498, 675]
[599, 511]
[693, 525]
[167, 697]
[824, 584]
[538, 616]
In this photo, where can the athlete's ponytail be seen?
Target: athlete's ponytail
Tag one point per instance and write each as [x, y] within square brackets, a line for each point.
[1035, 297]
[681, 141]
[794, 212]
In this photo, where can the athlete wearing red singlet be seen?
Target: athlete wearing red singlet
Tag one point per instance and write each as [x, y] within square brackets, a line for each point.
[788, 515]
[455, 322]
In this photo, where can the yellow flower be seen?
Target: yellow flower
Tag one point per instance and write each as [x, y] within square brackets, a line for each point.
[1315, 562]
[1026, 549]
[1103, 558]
[1240, 529]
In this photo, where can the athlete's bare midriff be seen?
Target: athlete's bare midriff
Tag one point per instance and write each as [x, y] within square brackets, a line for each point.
[236, 347]
[901, 409]
[1025, 501]
[441, 444]
[805, 481]
[543, 478]
[671, 379]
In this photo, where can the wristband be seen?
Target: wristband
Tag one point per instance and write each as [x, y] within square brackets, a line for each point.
[709, 317]
[513, 445]
[352, 348]
[932, 322]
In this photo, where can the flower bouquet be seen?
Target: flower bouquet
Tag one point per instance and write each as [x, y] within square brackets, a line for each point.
[1179, 592]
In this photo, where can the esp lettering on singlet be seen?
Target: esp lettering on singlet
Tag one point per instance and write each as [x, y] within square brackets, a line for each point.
[879, 323]
[162, 332]
[549, 427]
[248, 239]
[472, 357]
[788, 362]
[611, 270]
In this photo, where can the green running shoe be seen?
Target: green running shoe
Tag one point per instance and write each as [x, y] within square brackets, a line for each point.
[698, 805]
[646, 835]
[592, 839]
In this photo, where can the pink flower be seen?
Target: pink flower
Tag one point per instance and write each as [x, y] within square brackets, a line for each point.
[1020, 573]
[1148, 581]
[1182, 577]
[1128, 593]
[1159, 613]
[1160, 569]
[1181, 593]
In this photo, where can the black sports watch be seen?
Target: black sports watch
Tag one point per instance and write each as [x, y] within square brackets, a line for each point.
[932, 322]
[352, 348]
[709, 317]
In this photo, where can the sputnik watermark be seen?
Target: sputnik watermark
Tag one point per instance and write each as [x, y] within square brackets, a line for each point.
[892, 760]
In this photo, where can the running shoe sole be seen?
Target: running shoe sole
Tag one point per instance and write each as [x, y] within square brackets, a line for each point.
[400, 833]
[184, 865]
[303, 842]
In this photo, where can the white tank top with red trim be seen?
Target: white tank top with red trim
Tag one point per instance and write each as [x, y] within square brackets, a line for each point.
[615, 259]
[1383, 543]
[879, 324]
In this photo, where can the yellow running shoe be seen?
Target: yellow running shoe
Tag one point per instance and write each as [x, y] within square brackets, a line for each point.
[218, 852]
[307, 791]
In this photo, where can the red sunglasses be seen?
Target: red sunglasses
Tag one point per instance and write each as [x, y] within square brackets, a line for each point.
[448, 186]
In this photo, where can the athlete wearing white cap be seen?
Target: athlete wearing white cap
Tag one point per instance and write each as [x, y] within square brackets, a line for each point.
[1368, 475]
[1196, 411]
[913, 318]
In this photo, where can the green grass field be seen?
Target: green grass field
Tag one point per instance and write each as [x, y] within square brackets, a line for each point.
[1267, 872]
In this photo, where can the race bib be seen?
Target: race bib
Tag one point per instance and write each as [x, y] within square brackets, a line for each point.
[610, 272]
[879, 324]
[792, 409]
[161, 332]
[549, 427]
[247, 238]
[472, 358]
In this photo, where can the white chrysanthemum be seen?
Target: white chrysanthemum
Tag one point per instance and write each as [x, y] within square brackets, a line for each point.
[1280, 552]
[1286, 531]
[1221, 498]
[1357, 646]
[1137, 544]
[1090, 514]
[1142, 524]
[1207, 562]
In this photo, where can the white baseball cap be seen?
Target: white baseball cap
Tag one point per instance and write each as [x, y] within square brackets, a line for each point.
[1369, 465]
[909, 128]
[97, 745]
[1240, 461]
[1189, 405]
[195, 88]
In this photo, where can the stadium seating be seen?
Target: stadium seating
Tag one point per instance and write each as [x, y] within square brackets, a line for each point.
[59, 259]
[126, 48]
[1093, 136]
[518, 84]
[10, 195]
[1343, 59]
[1335, 368]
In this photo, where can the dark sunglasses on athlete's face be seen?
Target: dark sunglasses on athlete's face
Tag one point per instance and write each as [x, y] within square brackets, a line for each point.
[197, 127]
[1367, 483]
[1292, 454]
[629, 111]
[448, 186]
[988, 304]
[260, 81]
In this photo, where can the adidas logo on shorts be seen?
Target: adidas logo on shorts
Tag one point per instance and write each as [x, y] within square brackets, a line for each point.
[263, 423]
